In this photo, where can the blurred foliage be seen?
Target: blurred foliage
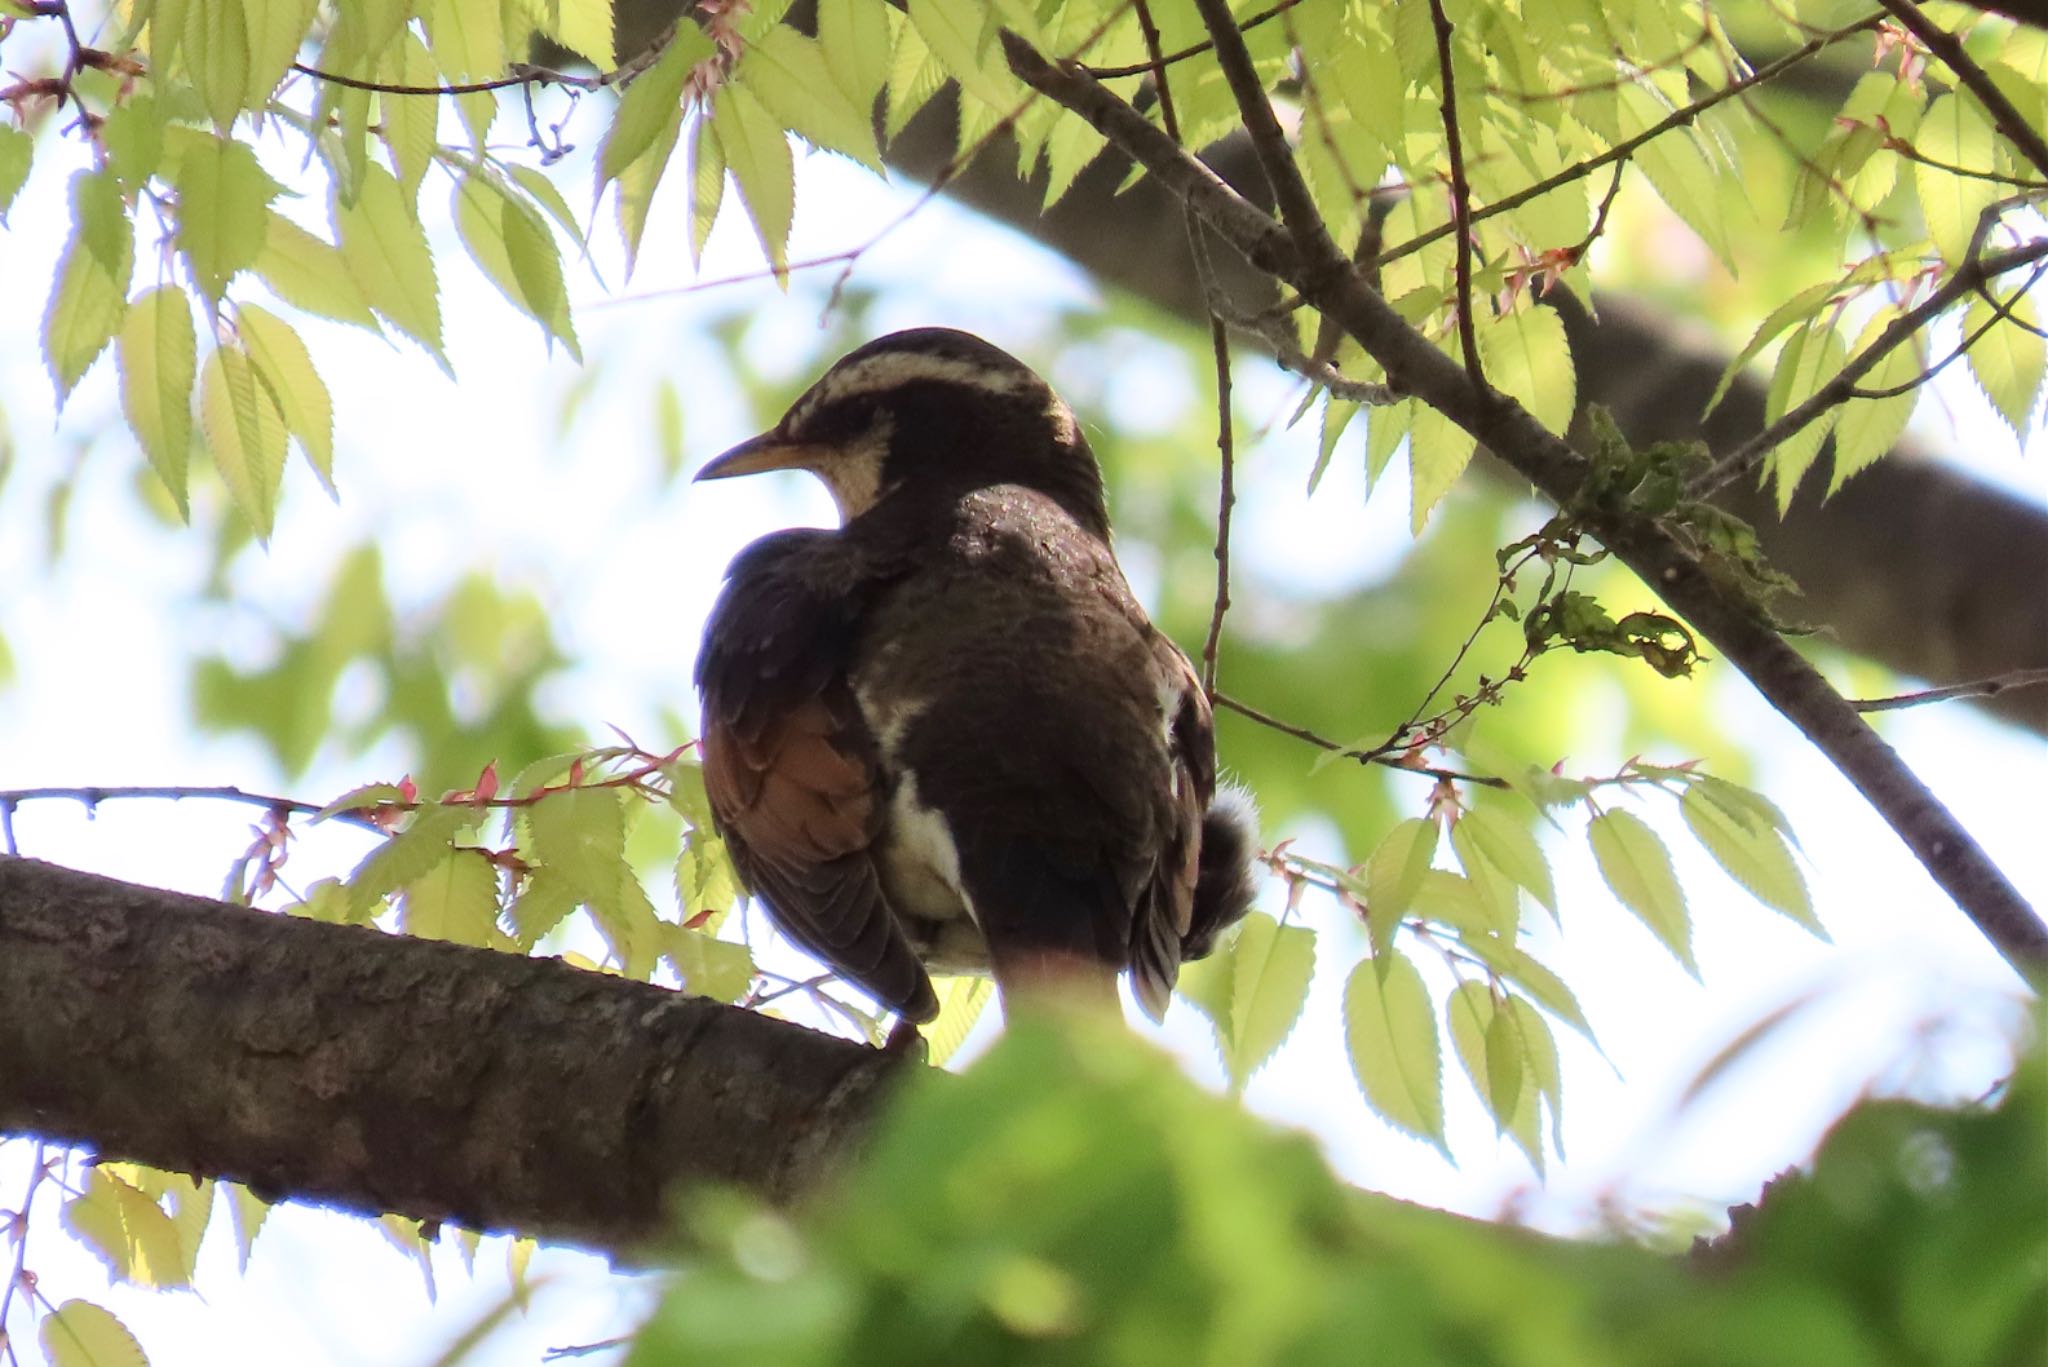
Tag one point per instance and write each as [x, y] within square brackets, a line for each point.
[1074, 1200]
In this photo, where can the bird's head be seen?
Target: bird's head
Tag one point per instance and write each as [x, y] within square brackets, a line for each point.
[930, 409]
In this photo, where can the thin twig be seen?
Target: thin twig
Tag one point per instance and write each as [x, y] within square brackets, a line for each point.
[1386, 761]
[1226, 500]
[1461, 197]
[91, 798]
[1975, 688]
[1974, 271]
[1157, 63]
[2001, 312]
[1627, 147]
[1949, 48]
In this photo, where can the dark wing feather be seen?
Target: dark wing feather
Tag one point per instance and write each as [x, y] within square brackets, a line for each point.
[790, 767]
[1165, 912]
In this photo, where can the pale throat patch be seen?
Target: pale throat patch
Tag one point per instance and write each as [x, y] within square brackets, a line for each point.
[853, 472]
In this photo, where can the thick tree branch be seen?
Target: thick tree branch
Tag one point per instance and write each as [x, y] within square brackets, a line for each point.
[1948, 851]
[383, 1073]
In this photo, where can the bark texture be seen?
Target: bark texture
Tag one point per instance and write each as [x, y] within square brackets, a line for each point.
[375, 1072]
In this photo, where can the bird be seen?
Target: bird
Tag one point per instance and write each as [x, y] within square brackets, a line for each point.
[944, 736]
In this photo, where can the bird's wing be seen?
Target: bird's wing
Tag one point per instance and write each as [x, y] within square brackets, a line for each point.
[790, 767]
[1165, 907]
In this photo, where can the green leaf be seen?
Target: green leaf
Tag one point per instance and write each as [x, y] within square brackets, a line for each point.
[248, 1211]
[582, 26]
[1953, 132]
[787, 72]
[859, 44]
[961, 35]
[637, 184]
[511, 244]
[549, 896]
[215, 46]
[1811, 357]
[1494, 1071]
[245, 433]
[1393, 875]
[709, 967]
[90, 295]
[387, 256]
[1752, 851]
[1539, 1050]
[81, 1334]
[2009, 360]
[455, 900]
[468, 41]
[1451, 899]
[1526, 355]
[1636, 865]
[1483, 833]
[758, 156]
[651, 110]
[544, 193]
[707, 185]
[411, 124]
[223, 201]
[1868, 427]
[129, 1229]
[1390, 1032]
[1438, 452]
[275, 29]
[1253, 991]
[158, 355]
[406, 856]
[1679, 170]
[310, 274]
[17, 149]
[1523, 972]
[286, 369]
[581, 834]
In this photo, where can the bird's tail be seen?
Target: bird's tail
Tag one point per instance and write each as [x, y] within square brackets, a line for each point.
[1223, 876]
[1056, 981]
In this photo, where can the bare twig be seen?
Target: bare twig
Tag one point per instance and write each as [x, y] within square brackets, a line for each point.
[1156, 63]
[1738, 628]
[1946, 46]
[1975, 688]
[1226, 499]
[1974, 271]
[91, 798]
[1461, 197]
[1381, 758]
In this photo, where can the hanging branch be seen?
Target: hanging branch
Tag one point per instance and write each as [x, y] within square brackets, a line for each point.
[1301, 254]
[1461, 196]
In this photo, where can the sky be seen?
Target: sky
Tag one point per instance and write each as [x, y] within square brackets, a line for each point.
[481, 473]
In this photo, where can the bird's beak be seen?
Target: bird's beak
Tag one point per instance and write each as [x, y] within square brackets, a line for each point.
[769, 451]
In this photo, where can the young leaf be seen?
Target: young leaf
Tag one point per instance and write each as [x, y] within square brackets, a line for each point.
[510, 243]
[1390, 1033]
[959, 35]
[215, 45]
[1868, 427]
[81, 1334]
[223, 196]
[406, 856]
[787, 71]
[1522, 971]
[857, 39]
[1491, 1057]
[1393, 875]
[16, 151]
[1811, 357]
[1527, 356]
[468, 41]
[962, 1001]
[1953, 132]
[411, 124]
[455, 900]
[1508, 846]
[91, 291]
[310, 274]
[1683, 177]
[245, 432]
[2009, 360]
[652, 108]
[637, 184]
[286, 369]
[1253, 991]
[548, 897]
[1438, 452]
[707, 185]
[1753, 853]
[248, 1211]
[582, 26]
[159, 359]
[758, 155]
[387, 255]
[1636, 865]
[709, 967]
[1539, 1048]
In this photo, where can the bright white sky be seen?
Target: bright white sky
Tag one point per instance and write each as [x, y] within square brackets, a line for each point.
[450, 477]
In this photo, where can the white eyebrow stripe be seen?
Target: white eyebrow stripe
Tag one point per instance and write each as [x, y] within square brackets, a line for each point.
[889, 369]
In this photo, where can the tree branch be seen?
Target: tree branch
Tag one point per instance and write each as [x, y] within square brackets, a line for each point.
[1946, 46]
[378, 1072]
[1948, 851]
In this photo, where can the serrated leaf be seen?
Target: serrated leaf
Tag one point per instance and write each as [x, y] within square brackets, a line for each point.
[1385, 430]
[709, 967]
[309, 274]
[637, 184]
[787, 72]
[455, 900]
[758, 156]
[130, 1231]
[707, 185]
[81, 1334]
[467, 38]
[859, 44]
[285, 367]
[2009, 360]
[1438, 452]
[1526, 355]
[1753, 853]
[1526, 974]
[411, 124]
[275, 29]
[1539, 1049]
[652, 108]
[1953, 132]
[626, 917]
[1451, 899]
[1393, 874]
[248, 1211]
[17, 150]
[159, 360]
[548, 897]
[223, 199]
[406, 856]
[1868, 427]
[962, 1003]
[245, 434]
[1811, 357]
[1509, 847]
[960, 35]
[215, 47]
[513, 247]
[581, 834]
[1680, 172]
[582, 26]
[914, 77]
[1253, 991]
[387, 255]
[358, 798]
[90, 294]
[1390, 1034]
[1337, 415]
[1638, 868]
[1468, 1016]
